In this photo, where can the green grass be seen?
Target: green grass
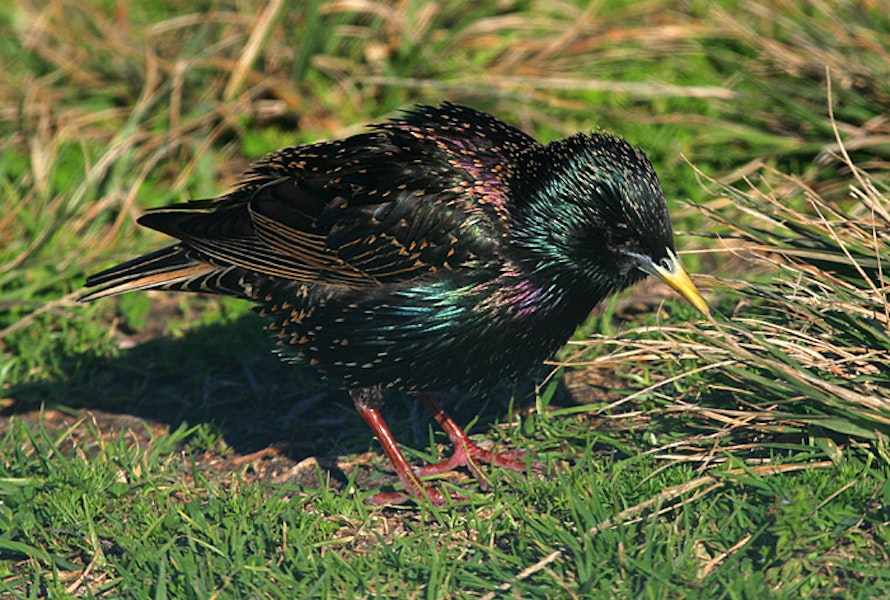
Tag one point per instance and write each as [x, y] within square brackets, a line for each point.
[744, 457]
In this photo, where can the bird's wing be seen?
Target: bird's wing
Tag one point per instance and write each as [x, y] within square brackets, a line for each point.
[414, 196]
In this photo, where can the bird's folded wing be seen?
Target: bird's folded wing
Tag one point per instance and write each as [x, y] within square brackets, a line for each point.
[387, 206]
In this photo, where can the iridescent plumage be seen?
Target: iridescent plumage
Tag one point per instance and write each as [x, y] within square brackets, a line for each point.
[443, 248]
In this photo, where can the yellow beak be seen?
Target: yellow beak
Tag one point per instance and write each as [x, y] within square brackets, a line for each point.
[672, 273]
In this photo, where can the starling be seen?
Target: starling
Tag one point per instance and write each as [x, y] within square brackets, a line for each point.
[441, 249]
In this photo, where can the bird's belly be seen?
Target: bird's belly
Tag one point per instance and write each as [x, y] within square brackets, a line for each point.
[427, 338]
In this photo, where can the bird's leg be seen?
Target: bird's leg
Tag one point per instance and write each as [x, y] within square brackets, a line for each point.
[368, 402]
[466, 453]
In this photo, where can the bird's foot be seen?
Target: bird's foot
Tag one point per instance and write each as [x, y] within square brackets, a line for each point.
[466, 453]
[415, 490]
[469, 455]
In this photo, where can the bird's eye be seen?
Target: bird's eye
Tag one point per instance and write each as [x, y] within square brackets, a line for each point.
[618, 236]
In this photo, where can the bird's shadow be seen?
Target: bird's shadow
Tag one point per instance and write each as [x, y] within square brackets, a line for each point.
[227, 375]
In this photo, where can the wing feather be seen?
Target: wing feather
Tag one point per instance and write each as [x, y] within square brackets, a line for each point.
[407, 199]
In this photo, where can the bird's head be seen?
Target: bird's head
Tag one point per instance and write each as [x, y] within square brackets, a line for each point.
[591, 212]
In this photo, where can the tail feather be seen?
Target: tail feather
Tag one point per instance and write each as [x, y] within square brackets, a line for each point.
[170, 268]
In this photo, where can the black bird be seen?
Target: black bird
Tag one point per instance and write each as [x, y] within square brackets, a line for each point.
[441, 249]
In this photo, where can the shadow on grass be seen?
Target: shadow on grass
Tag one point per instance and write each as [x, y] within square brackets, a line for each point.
[222, 374]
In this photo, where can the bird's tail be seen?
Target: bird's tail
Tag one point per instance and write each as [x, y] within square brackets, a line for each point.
[172, 268]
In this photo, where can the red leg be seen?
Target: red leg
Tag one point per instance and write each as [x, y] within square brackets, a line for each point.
[365, 401]
[466, 453]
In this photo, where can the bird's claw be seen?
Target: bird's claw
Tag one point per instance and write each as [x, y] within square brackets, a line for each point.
[469, 455]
